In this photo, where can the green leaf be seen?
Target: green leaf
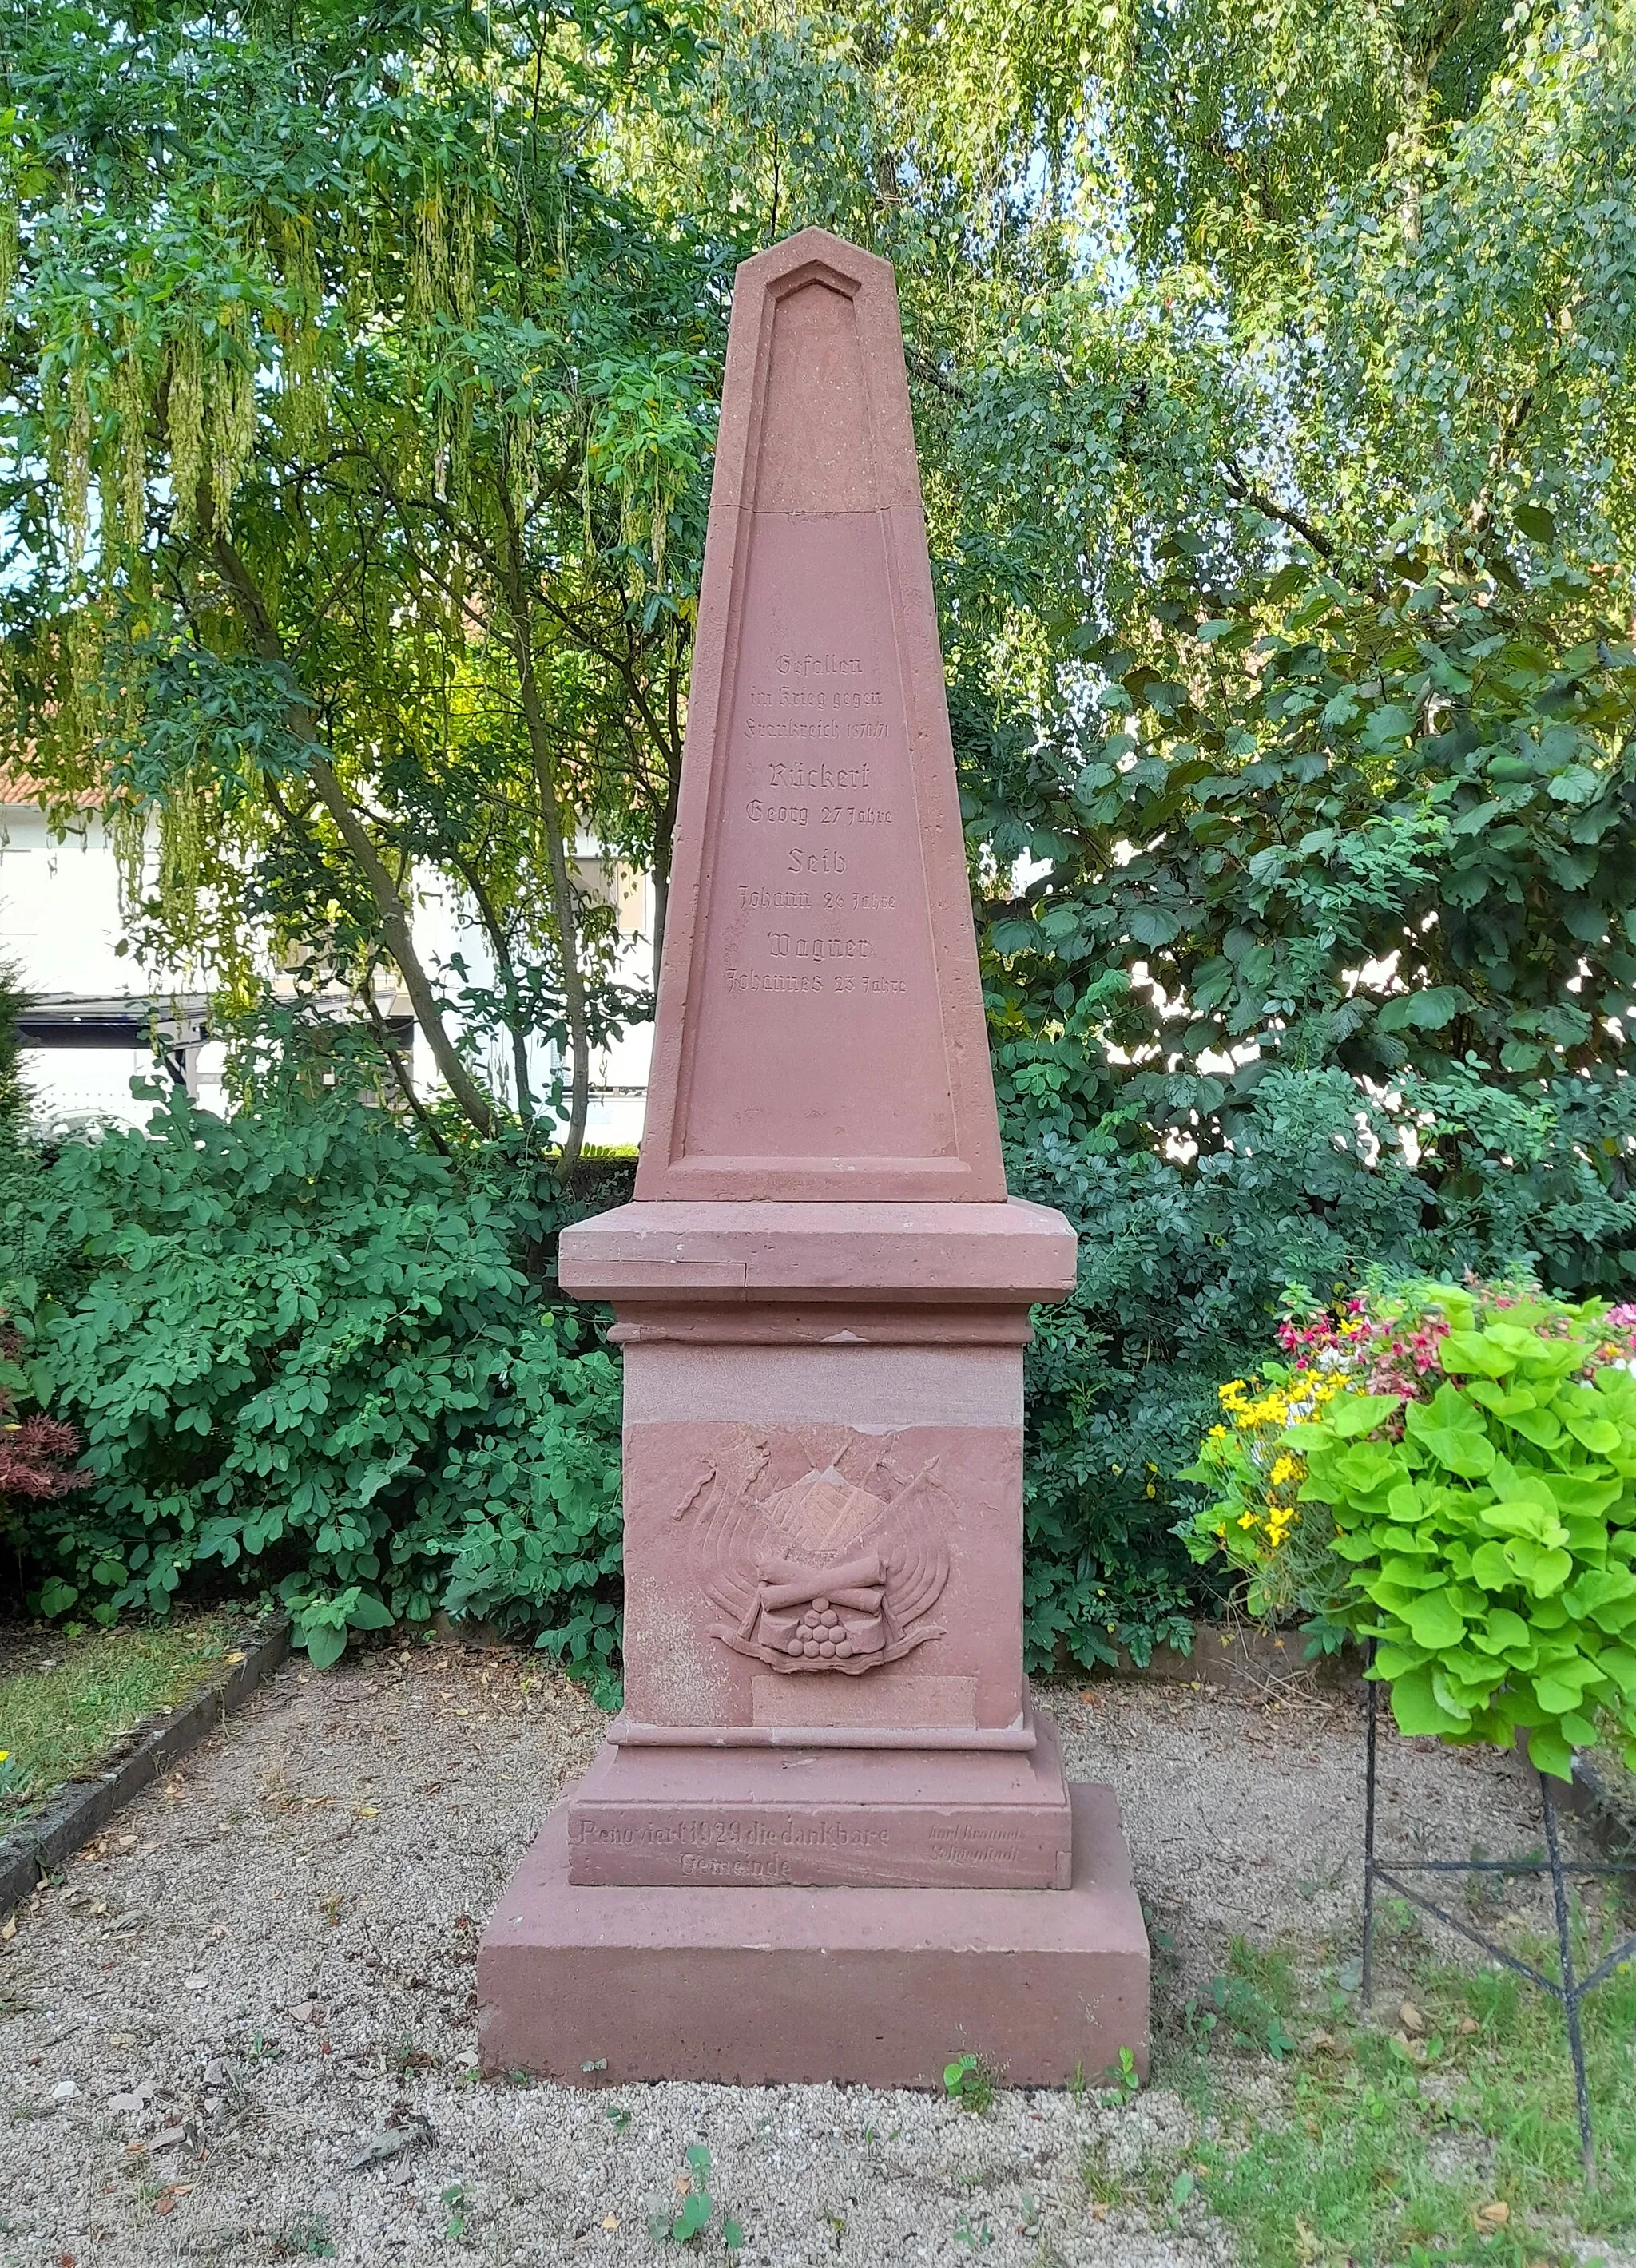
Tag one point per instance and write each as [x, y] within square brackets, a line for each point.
[1352, 1414]
[1503, 1631]
[1451, 1430]
[693, 2219]
[1416, 1707]
[1476, 1354]
[1435, 1622]
[1549, 1752]
[368, 1613]
[326, 1642]
[1600, 1435]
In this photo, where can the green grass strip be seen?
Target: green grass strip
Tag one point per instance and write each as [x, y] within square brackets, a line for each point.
[58, 1723]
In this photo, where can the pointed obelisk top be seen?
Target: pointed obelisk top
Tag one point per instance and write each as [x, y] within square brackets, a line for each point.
[820, 1031]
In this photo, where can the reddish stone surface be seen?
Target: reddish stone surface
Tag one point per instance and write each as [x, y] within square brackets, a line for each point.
[994, 1819]
[821, 1028]
[600, 1987]
[831, 1837]
[1012, 1253]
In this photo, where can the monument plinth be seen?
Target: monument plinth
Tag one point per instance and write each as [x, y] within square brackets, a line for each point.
[830, 1836]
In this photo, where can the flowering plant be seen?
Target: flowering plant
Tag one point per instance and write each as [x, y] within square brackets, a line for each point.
[1448, 1470]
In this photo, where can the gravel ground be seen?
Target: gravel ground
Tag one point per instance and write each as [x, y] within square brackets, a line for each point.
[242, 2028]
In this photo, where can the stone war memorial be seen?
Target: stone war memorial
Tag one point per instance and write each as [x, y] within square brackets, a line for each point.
[830, 1837]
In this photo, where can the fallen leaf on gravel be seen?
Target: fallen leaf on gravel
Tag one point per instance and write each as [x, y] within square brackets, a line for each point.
[1468, 2025]
[1410, 2018]
[367, 1811]
[9, 1931]
[169, 2139]
[610, 2220]
[387, 2143]
[1492, 2216]
[168, 2203]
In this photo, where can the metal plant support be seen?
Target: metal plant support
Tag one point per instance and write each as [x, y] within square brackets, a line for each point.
[1570, 1991]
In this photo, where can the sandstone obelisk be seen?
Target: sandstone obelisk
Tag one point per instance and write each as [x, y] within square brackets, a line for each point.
[830, 1836]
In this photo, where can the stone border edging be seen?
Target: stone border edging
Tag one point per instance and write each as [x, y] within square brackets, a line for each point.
[75, 1814]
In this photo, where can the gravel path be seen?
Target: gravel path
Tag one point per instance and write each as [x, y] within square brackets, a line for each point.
[242, 2028]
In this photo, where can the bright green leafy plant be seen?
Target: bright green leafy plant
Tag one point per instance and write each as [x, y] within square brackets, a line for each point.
[1462, 1480]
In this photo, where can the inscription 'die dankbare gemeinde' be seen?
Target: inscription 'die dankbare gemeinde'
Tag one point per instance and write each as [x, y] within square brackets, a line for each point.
[827, 825]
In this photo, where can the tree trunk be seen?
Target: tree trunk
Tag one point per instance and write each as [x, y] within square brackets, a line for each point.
[395, 934]
[389, 906]
[562, 908]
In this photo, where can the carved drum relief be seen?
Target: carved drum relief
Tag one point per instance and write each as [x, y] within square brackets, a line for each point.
[822, 1551]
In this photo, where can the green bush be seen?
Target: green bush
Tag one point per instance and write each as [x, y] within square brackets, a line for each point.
[1183, 1265]
[308, 1355]
[1310, 947]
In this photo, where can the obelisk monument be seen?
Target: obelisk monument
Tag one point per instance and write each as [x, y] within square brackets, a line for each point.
[830, 1836]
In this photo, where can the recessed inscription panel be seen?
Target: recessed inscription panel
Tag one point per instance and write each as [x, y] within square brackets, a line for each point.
[817, 1026]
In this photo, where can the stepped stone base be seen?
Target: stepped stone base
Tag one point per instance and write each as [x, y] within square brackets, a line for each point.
[597, 1986]
[755, 1818]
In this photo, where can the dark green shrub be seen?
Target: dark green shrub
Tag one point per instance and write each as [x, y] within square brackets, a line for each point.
[308, 1355]
[1184, 1263]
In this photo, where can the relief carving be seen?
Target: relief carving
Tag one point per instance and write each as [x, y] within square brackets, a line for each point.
[819, 1549]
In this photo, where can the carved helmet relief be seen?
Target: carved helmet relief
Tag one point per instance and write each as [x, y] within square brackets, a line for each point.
[825, 1555]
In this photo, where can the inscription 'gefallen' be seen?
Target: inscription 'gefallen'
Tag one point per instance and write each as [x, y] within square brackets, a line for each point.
[820, 1026]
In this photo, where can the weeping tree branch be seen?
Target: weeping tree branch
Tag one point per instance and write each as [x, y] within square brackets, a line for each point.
[390, 908]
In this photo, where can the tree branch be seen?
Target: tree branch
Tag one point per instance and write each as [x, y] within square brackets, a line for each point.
[1241, 491]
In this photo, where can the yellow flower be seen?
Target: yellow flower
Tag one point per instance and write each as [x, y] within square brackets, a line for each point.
[1285, 1468]
[1247, 1519]
[1216, 1433]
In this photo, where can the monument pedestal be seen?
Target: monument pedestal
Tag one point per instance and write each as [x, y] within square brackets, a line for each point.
[599, 1986]
[831, 1838]
[797, 1864]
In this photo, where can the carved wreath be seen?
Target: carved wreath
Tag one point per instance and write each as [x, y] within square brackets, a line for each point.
[835, 1569]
